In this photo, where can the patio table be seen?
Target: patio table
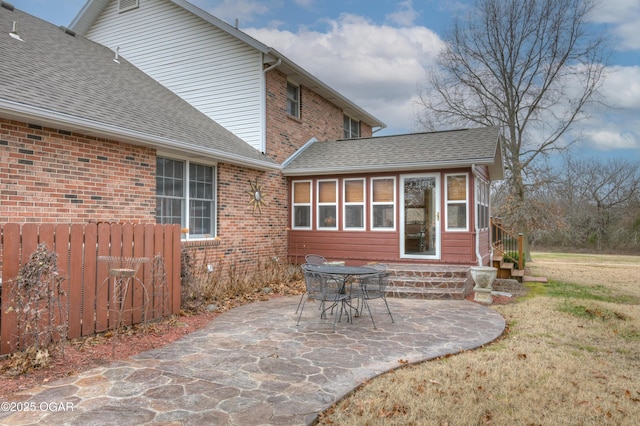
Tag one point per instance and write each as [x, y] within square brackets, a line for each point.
[344, 272]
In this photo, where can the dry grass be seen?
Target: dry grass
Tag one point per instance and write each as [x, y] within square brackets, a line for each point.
[570, 357]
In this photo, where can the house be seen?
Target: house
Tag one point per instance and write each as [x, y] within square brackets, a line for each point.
[163, 113]
[415, 198]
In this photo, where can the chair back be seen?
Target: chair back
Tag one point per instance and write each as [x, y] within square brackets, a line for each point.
[320, 286]
[315, 259]
[375, 285]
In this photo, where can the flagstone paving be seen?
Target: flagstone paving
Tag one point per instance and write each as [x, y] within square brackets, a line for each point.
[253, 366]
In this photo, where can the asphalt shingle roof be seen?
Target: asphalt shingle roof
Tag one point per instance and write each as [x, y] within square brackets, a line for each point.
[415, 151]
[66, 78]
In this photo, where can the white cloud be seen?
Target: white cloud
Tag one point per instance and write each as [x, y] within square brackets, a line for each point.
[621, 88]
[624, 17]
[606, 140]
[378, 67]
[405, 15]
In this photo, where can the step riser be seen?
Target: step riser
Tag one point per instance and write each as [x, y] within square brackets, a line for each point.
[428, 282]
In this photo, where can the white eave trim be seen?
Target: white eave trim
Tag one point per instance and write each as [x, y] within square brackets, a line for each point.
[47, 118]
[395, 167]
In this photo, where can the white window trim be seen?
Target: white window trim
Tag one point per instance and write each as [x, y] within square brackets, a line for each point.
[294, 204]
[187, 197]
[363, 204]
[482, 200]
[351, 120]
[394, 202]
[447, 202]
[319, 204]
[297, 111]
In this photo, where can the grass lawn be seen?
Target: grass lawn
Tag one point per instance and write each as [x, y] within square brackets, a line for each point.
[570, 356]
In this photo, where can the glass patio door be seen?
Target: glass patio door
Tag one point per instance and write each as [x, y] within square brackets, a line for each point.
[420, 216]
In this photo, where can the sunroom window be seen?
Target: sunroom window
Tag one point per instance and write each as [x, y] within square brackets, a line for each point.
[383, 199]
[302, 205]
[354, 204]
[456, 205]
[185, 195]
[482, 198]
[327, 204]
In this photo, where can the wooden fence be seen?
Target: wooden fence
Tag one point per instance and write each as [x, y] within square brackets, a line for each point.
[87, 283]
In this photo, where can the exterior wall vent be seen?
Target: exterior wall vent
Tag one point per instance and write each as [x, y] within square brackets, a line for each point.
[125, 5]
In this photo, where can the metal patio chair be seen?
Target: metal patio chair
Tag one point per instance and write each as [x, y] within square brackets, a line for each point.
[315, 259]
[370, 287]
[325, 289]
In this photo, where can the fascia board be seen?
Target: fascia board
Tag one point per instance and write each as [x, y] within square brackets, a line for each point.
[398, 167]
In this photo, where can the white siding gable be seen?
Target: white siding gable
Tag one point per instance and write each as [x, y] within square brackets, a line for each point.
[212, 70]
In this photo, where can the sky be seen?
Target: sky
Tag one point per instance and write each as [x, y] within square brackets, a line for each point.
[376, 53]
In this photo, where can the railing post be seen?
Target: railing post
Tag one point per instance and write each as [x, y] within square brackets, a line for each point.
[520, 251]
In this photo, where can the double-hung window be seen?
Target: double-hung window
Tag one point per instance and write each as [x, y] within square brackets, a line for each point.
[327, 204]
[301, 204]
[351, 128]
[293, 100]
[185, 195]
[456, 205]
[383, 203]
[482, 203]
[354, 202]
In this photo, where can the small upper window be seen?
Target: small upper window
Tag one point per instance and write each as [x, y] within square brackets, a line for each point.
[124, 5]
[293, 100]
[351, 128]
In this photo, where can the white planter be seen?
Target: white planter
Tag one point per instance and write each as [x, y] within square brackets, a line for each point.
[483, 277]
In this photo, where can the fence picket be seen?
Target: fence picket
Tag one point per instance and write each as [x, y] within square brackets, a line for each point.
[10, 268]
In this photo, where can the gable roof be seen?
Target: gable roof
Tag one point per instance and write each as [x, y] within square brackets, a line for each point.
[93, 8]
[58, 79]
[403, 153]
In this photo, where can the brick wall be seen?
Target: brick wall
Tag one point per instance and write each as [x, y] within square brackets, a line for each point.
[319, 119]
[248, 235]
[49, 175]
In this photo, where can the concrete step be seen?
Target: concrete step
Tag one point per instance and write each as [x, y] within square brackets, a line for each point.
[428, 281]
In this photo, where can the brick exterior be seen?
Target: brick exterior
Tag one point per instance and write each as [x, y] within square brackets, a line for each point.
[319, 119]
[49, 175]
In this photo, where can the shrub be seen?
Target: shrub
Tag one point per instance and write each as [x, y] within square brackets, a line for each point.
[513, 256]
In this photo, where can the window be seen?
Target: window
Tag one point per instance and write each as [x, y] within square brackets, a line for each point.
[327, 204]
[456, 190]
[351, 128]
[173, 196]
[383, 198]
[482, 202]
[302, 205]
[293, 100]
[353, 204]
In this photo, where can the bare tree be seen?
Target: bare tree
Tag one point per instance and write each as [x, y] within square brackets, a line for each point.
[528, 66]
[601, 198]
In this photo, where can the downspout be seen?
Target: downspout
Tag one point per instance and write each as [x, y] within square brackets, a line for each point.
[278, 62]
[264, 103]
[475, 209]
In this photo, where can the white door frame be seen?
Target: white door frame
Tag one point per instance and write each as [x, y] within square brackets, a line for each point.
[434, 226]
